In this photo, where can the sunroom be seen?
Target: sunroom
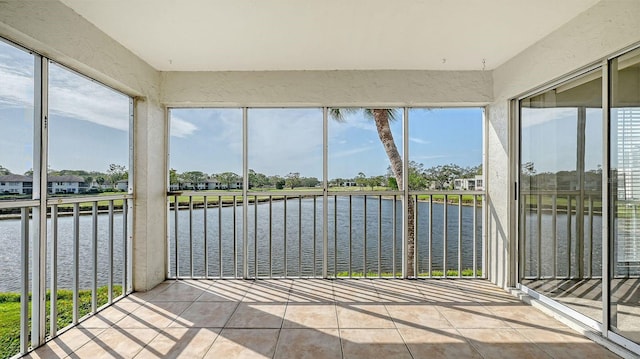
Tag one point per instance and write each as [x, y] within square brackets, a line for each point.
[321, 179]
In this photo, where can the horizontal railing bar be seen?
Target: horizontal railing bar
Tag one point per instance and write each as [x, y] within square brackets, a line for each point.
[205, 193]
[557, 192]
[19, 204]
[364, 193]
[286, 193]
[72, 200]
[451, 193]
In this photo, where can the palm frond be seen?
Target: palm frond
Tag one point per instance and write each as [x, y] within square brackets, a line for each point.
[392, 113]
[339, 114]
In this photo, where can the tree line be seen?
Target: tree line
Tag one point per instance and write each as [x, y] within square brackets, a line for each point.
[113, 174]
[436, 177]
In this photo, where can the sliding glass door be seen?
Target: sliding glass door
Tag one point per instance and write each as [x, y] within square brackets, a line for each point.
[560, 194]
[624, 195]
[568, 146]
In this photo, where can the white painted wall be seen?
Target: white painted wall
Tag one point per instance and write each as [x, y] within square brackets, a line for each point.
[334, 88]
[52, 29]
[608, 27]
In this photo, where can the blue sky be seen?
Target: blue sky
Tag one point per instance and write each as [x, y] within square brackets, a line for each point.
[549, 139]
[281, 141]
[89, 130]
[88, 122]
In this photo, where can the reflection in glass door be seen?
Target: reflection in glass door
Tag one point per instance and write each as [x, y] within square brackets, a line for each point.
[624, 244]
[560, 223]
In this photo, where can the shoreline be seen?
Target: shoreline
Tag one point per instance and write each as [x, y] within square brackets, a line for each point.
[199, 204]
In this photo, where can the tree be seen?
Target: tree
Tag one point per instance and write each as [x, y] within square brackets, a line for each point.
[173, 176]
[257, 179]
[381, 118]
[443, 175]
[279, 183]
[116, 173]
[361, 179]
[293, 180]
[194, 177]
[227, 178]
[29, 173]
[374, 181]
[4, 171]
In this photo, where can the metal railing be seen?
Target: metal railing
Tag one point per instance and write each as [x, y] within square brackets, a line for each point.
[562, 234]
[313, 234]
[87, 259]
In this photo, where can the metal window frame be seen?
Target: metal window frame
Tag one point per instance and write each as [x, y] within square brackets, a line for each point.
[605, 326]
[38, 231]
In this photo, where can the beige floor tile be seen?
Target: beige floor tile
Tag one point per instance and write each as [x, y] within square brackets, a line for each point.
[223, 291]
[109, 316]
[153, 315]
[417, 316]
[180, 343]
[363, 316]
[310, 316]
[355, 291]
[311, 291]
[308, 344]
[471, 316]
[180, 291]
[404, 292]
[523, 316]
[437, 343]
[441, 292]
[502, 343]
[205, 315]
[150, 294]
[565, 343]
[367, 344]
[259, 315]
[65, 344]
[268, 291]
[116, 343]
[244, 343]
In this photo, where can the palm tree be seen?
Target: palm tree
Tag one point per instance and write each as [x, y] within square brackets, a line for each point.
[382, 117]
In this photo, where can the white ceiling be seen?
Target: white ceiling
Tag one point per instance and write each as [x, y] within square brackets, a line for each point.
[228, 35]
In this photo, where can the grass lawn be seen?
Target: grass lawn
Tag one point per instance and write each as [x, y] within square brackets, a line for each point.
[10, 314]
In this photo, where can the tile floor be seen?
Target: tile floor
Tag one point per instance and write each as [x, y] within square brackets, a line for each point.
[314, 318]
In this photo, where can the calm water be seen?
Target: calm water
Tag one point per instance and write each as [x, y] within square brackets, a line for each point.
[299, 240]
[10, 252]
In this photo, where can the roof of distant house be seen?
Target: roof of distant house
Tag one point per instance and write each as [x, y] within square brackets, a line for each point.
[15, 178]
[67, 178]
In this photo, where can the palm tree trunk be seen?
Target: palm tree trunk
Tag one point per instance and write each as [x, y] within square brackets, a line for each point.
[381, 118]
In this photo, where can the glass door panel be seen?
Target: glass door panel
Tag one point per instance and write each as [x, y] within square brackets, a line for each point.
[624, 242]
[560, 225]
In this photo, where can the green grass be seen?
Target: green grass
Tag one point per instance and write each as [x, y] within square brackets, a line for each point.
[10, 314]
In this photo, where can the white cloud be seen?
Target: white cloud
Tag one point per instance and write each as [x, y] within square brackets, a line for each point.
[74, 96]
[16, 89]
[538, 116]
[419, 141]
[181, 128]
[350, 152]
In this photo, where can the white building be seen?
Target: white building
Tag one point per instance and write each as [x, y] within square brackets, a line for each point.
[122, 185]
[15, 184]
[66, 184]
[469, 184]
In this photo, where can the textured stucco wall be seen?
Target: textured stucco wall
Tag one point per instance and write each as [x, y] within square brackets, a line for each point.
[607, 27]
[52, 29]
[335, 88]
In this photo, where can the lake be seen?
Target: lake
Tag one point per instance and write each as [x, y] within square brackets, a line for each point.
[299, 240]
